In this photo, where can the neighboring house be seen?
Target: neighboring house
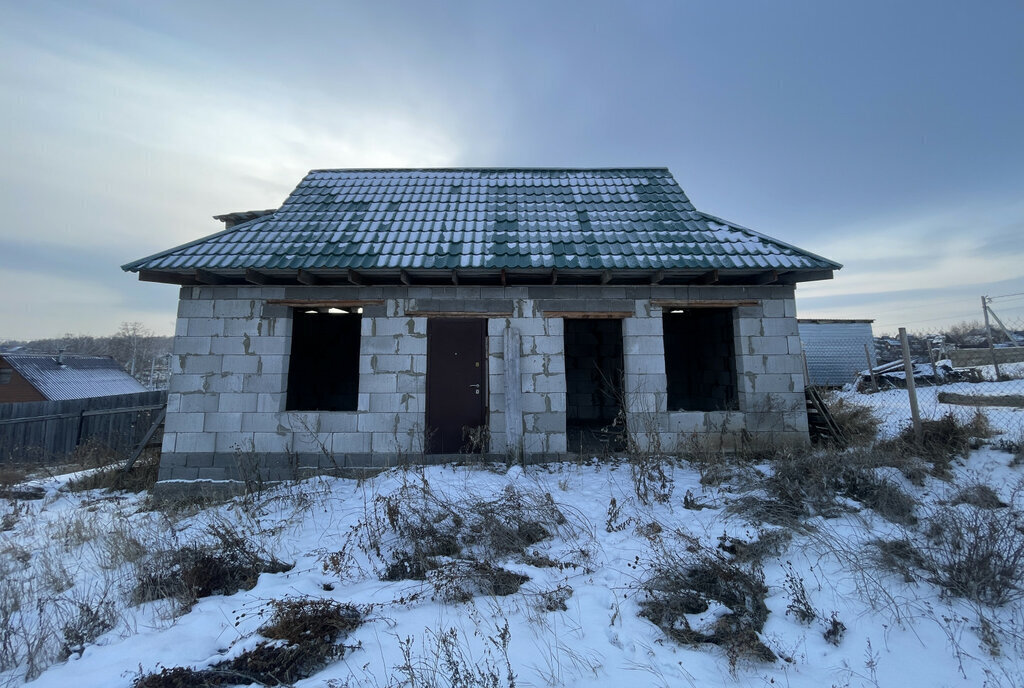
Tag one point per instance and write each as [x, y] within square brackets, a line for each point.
[837, 350]
[390, 315]
[55, 377]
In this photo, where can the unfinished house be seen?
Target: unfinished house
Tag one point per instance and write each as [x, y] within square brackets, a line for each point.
[390, 315]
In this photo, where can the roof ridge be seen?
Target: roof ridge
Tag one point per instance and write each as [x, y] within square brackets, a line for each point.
[490, 169]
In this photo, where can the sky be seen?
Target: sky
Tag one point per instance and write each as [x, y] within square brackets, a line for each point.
[886, 136]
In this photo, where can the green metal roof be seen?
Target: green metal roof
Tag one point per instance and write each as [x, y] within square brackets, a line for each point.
[373, 222]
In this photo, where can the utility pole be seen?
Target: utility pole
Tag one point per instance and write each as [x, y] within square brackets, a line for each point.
[988, 332]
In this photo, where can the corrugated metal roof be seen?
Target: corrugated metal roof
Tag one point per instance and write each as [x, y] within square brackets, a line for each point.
[486, 219]
[77, 377]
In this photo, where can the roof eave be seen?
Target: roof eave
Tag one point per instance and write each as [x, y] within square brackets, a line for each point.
[482, 276]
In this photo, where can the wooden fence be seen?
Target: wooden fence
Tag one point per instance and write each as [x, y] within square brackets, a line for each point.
[48, 431]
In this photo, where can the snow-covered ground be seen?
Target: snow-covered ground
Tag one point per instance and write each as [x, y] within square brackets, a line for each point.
[73, 552]
[893, 406]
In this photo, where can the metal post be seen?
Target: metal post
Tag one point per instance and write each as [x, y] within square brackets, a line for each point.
[911, 389]
[988, 331]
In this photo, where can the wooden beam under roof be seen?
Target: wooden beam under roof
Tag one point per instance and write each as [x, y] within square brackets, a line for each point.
[768, 277]
[657, 277]
[405, 277]
[455, 277]
[606, 276]
[805, 276]
[167, 277]
[256, 277]
[355, 278]
[307, 278]
[554, 276]
[207, 277]
[709, 277]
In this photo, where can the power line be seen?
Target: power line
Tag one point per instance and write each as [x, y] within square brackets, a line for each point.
[1006, 296]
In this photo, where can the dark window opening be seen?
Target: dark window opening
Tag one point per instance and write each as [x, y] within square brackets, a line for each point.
[323, 371]
[700, 359]
[5, 376]
[593, 377]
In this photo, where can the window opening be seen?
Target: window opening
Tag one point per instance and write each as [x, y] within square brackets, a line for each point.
[323, 370]
[593, 376]
[700, 359]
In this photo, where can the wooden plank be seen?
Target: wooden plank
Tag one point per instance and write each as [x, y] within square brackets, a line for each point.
[722, 303]
[589, 315]
[1011, 400]
[326, 303]
[166, 277]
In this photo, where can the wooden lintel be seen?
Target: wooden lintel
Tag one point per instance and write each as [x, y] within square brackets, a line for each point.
[256, 277]
[709, 277]
[207, 277]
[554, 276]
[355, 278]
[606, 276]
[657, 277]
[166, 277]
[767, 277]
[405, 277]
[325, 303]
[455, 277]
[307, 278]
[589, 315]
[669, 304]
[456, 314]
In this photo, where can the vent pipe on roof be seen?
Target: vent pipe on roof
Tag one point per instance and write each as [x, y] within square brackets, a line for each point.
[60, 357]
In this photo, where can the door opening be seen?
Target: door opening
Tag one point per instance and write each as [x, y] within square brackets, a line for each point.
[593, 376]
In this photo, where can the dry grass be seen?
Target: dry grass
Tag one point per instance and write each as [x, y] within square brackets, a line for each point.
[112, 476]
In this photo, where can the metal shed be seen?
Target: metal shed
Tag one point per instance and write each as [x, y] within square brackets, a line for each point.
[835, 349]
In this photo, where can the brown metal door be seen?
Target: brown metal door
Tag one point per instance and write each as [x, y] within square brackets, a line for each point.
[456, 387]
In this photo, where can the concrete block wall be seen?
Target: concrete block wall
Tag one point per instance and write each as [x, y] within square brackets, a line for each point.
[226, 403]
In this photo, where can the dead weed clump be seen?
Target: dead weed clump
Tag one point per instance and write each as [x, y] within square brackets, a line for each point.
[304, 635]
[858, 423]
[977, 553]
[941, 442]
[201, 569]
[805, 485]
[681, 586]
[417, 533]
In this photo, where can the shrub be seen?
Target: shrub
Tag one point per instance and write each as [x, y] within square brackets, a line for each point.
[682, 582]
[462, 580]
